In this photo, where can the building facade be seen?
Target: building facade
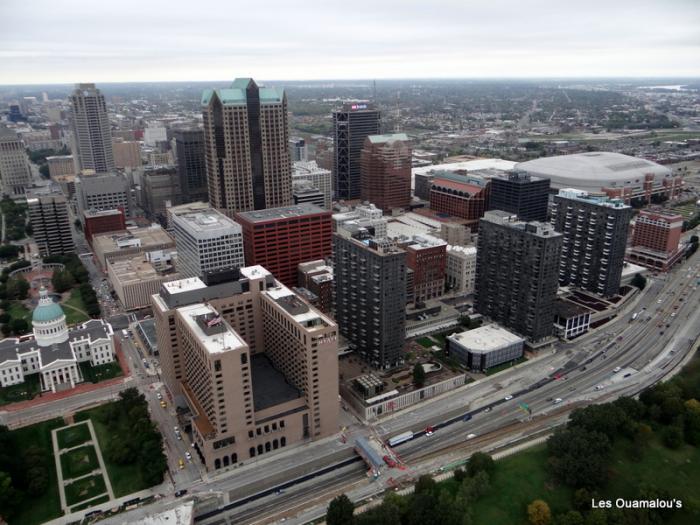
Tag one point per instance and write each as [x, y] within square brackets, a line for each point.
[135, 279]
[595, 239]
[103, 192]
[92, 136]
[207, 241]
[281, 238]
[127, 153]
[385, 171]
[521, 193]
[460, 196]
[422, 183]
[48, 215]
[655, 240]
[426, 256]
[317, 277]
[352, 124]
[303, 191]
[319, 178]
[161, 189]
[460, 269]
[191, 164]
[98, 222]
[255, 365]
[517, 266]
[370, 295]
[246, 135]
[485, 347]
[15, 176]
[60, 165]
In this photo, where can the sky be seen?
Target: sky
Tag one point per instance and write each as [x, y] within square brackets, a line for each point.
[70, 41]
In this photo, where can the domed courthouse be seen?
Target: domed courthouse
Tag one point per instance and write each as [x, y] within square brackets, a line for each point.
[55, 351]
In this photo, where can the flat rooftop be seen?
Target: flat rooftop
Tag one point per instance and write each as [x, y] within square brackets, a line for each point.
[134, 269]
[149, 236]
[207, 221]
[184, 285]
[270, 387]
[223, 340]
[284, 212]
[486, 338]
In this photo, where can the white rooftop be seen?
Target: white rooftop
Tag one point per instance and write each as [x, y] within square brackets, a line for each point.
[207, 221]
[254, 272]
[468, 165]
[467, 250]
[223, 341]
[486, 338]
[181, 515]
[184, 285]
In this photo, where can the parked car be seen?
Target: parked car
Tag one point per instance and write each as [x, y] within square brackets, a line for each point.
[508, 397]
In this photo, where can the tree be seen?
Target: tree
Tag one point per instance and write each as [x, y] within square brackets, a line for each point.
[459, 475]
[340, 511]
[7, 494]
[17, 288]
[62, 281]
[480, 462]
[418, 375]
[538, 513]
[425, 484]
[573, 517]
[639, 281]
[597, 517]
[19, 326]
[578, 457]
[672, 436]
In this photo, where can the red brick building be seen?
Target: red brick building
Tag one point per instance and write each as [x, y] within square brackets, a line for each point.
[460, 196]
[385, 171]
[97, 222]
[317, 277]
[281, 238]
[427, 257]
[655, 240]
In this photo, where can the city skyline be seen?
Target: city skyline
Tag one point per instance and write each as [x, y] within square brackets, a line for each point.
[501, 39]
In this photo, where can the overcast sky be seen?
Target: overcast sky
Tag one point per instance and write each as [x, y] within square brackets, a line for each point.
[67, 41]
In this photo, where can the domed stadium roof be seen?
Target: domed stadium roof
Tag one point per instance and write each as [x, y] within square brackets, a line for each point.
[46, 310]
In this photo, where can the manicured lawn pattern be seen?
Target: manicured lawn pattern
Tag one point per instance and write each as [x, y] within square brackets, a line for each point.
[78, 462]
[76, 301]
[84, 489]
[92, 503]
[73, 436]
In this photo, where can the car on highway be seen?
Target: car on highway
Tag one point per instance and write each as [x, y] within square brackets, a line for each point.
[163, 404]
[178, 435]
[488, 409]
[557, 401]
[179, 493]
[181, 463]
[429, 431]
[467, 417]
[616, 369]
[159, 396]
[508, 397]
[599, 387]
[188, 456]
[471, 436]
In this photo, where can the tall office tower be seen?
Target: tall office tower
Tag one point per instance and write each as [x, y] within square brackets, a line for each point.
[191, 164]
[427, 257]
[281, 238]
[103, 192]
[655, 240]
[206, 241]
[385, 171]
[15, 176]
[595, 238]
[353, 123]
[517, 267]
[370, 295]
[520, 193]
[255, 365]
[320, 178]
[246, 137]
[297, 150]
[160, 188]
[48, 215]
[92, 138]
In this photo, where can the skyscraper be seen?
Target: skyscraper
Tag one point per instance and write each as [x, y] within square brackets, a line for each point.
[246, 137]
[370, 295]
[353, 123]
[191, 164]
[595, 238]
[385, 171]
[15, 176]
[48, 214]
[516, 273]
[520, 193]
[92, 138]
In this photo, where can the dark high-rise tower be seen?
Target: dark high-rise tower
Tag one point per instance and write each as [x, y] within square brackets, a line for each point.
[191, 164]
[595, 238]
[518, 192]
[517, 273]
[352, 124]
[92, 136]
[246, 137]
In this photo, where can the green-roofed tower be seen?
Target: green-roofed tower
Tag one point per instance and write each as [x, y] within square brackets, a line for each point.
[246, 135]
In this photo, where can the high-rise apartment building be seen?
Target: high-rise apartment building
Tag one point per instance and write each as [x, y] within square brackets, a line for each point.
[385, 171]
[352, 124]
[656, 238]
[191, 164]
[521, 193]
[255, 365]
[246, 136]
[517, 266]
[320, 178]
[92, 138]
[370, 295]
[427, 256]
[109, 191]
[595, 238]
[15, 176]
[48, 215]
[281, 238]
[206, 241]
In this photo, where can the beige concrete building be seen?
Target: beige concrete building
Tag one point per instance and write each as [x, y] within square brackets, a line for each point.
[127, 153]
[122, 244]
[460, 270]
[256, 366]
[60, 165]
[136, 279]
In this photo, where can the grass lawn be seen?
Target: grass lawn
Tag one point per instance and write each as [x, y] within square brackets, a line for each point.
[125, 479]
[18, 311]
[27, 390]
[73, 436]
[516, 481]
[92, 503]
[47, 506]
[85, 488]
[78, 462]
[98, 373]
[425, 342]
[76, 301]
